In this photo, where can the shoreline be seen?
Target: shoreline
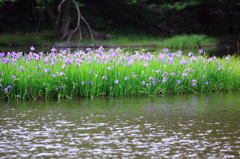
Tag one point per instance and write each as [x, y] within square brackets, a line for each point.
[61, 45]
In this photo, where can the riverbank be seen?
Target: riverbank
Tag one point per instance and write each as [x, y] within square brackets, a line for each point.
[48, 40]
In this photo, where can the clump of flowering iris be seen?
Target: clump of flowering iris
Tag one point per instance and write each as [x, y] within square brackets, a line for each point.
[97, 72]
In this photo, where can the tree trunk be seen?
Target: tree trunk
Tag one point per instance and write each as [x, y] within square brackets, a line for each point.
[65, 19]
[203, 13]
[54, 18]
[229, 16]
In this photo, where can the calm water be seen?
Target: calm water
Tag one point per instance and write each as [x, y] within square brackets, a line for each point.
[173, 126]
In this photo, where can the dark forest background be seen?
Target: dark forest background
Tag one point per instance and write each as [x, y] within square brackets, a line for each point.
[161, 18]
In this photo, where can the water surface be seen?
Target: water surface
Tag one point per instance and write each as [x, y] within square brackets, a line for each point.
[173, 126]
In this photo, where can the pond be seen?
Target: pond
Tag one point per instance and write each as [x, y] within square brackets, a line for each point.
[172, 126]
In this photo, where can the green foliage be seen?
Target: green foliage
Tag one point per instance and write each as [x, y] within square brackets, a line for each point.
[2, 1]
[175, 5]
[181, 5]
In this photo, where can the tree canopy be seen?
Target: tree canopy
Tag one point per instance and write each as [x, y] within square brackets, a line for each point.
[159, 18]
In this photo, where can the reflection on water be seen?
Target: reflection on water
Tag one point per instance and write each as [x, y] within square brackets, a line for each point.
[174, 126]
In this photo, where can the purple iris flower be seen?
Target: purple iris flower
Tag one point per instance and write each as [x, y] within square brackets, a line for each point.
[90, 82]
[45, 60]
[116, 81]
[207, 83]
[53, 75]
[145, 64]
[88, 49]
[104, 77]
[53, 49]
[164, 79]
[5, 89]
[220, 67]
[184, 75]
[178, 81]
[165, 73]
[32, 48]
[227, 58]
[194, 81]
[46, 70]
[2, 54]
[173, 74]
[165, 50]
[21, 68]
[61, 74]
[151, 78]
[63, 66]
[183, 62]
[68, 61]
[190, 54]
[200, 51]
[6, 61]
[9, 87]
[13, 77]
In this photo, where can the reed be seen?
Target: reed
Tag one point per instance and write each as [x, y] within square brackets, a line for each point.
[113, 72]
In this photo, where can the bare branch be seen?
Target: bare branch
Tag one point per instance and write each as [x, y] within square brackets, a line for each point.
[89, 29]
[78, 21]
[79, 15]
[59, 6]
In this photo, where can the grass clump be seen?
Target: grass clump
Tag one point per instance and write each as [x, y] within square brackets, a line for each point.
[100, 72]
[179, 41]
[118, 39]
[189, 41]
[19, 38]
